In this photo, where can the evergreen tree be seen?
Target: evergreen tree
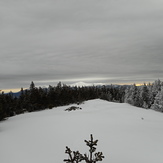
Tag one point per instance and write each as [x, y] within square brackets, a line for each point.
[158, 102]
[135, 96]
[2, 113]
[144, 97]
[128, 95]
[92, 157]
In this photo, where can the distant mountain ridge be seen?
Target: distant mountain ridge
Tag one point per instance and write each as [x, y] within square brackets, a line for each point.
[83, 84]
[80, 84]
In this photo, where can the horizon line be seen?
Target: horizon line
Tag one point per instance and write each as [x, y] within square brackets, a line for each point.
[15, 90]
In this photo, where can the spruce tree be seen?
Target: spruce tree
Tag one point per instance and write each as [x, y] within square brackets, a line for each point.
[92, 157]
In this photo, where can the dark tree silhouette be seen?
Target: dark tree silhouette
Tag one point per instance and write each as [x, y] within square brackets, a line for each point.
[92, 157]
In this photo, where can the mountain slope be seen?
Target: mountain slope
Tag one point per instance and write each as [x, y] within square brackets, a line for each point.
[125, 133]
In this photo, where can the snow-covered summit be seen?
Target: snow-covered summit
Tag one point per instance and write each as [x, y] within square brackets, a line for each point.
[125, 133]
[80, 84]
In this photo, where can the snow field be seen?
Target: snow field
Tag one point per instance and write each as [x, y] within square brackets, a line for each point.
[124, 137]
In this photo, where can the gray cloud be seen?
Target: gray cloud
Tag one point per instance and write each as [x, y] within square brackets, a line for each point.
[89, 40]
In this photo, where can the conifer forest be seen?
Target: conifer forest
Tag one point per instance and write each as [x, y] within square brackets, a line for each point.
[148, 96]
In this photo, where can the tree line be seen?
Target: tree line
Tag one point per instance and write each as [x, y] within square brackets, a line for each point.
[38, 98]
[148, 96]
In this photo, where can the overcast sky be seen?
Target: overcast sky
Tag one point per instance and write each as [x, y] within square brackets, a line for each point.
[104, 41]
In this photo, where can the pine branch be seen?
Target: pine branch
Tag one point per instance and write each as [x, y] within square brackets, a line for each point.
[76, 156]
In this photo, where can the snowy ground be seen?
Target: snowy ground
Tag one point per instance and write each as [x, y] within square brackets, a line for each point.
[124, 137]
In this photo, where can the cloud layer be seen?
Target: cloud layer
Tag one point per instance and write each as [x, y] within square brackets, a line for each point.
[89, 40]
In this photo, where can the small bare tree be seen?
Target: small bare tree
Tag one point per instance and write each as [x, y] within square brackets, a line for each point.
[92, 157]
